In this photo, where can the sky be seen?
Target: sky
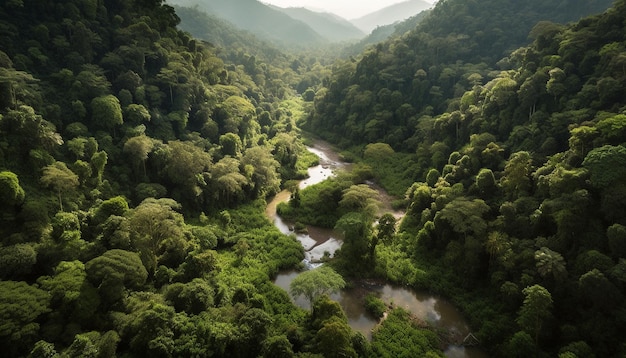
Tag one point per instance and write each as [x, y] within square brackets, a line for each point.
[348, 9]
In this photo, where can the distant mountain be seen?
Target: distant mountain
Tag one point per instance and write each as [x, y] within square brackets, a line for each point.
[330, 26]
[384, 32]
[390, 14]
[265, 22]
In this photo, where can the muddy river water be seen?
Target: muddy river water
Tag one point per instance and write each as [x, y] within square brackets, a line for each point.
[317, 241]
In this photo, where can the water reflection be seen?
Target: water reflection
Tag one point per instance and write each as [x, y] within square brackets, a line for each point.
[319, 241]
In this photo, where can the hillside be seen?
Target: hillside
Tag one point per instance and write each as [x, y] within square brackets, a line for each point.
[264, 21]
[382, 33]
[428, 67]
[391, 14]
[331, 27]
[137, 161]
[134, 163]
[512, 164]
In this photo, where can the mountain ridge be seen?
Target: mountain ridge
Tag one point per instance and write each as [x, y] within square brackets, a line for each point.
[331, 26]
[390, 14]
[260, 19]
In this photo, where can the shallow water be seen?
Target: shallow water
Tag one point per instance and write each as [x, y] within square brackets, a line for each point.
[318, 241]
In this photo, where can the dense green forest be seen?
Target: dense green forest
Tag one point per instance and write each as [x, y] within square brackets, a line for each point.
[517, 204]
[136, 160]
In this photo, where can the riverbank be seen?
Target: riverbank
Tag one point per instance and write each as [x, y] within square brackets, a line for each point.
[433, 311]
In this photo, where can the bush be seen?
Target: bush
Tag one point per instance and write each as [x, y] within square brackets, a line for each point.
[375, 306]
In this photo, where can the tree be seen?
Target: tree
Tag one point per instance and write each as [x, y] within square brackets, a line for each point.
[516, 180]
[277, 347]
[607, 165]
[231, 144]
[314, 283]
[115, 271]
[464, 216]
[386, 230]
[106, 112]
[265, 170]
[71, 293]
[360, 198]
[77, 146]
[334, 339]
[137, 113]
[550, 263]
[356, 229]
[486, 182]
[99, 161]
[20, 306]
[535, 310]
[60, 178]
[230, 183]
[138, 148]
[185, 166]
[16, 260]
[153, 223]
[616, 234]
[378, 152]
[11, 193]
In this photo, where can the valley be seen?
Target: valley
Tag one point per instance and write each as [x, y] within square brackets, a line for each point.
[238, 179]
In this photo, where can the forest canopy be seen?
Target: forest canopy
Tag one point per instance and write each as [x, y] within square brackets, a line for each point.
[136, 161]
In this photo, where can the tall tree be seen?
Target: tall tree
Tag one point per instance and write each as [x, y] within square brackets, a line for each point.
[60, 178]
[535, 310]
[314, 283]
[107, 112]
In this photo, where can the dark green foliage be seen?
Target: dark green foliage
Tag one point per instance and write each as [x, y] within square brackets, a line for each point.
[20, 306]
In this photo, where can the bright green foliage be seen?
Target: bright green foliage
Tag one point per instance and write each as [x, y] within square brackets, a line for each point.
[193, 297]
[157, 107]
[43, 349]
[464, 216]
[138, 148]
[486, 182]
[314, 283]
[117, 206]
[398, 336]
[378, 152]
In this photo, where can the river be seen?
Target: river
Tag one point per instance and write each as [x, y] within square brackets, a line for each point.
[316, 241]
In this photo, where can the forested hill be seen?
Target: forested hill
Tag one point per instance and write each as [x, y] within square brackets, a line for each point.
[264, 21]
[391, 14]
[134, 164]
[136, 160]
[517, 163]
[425, 68]
[332, 27]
